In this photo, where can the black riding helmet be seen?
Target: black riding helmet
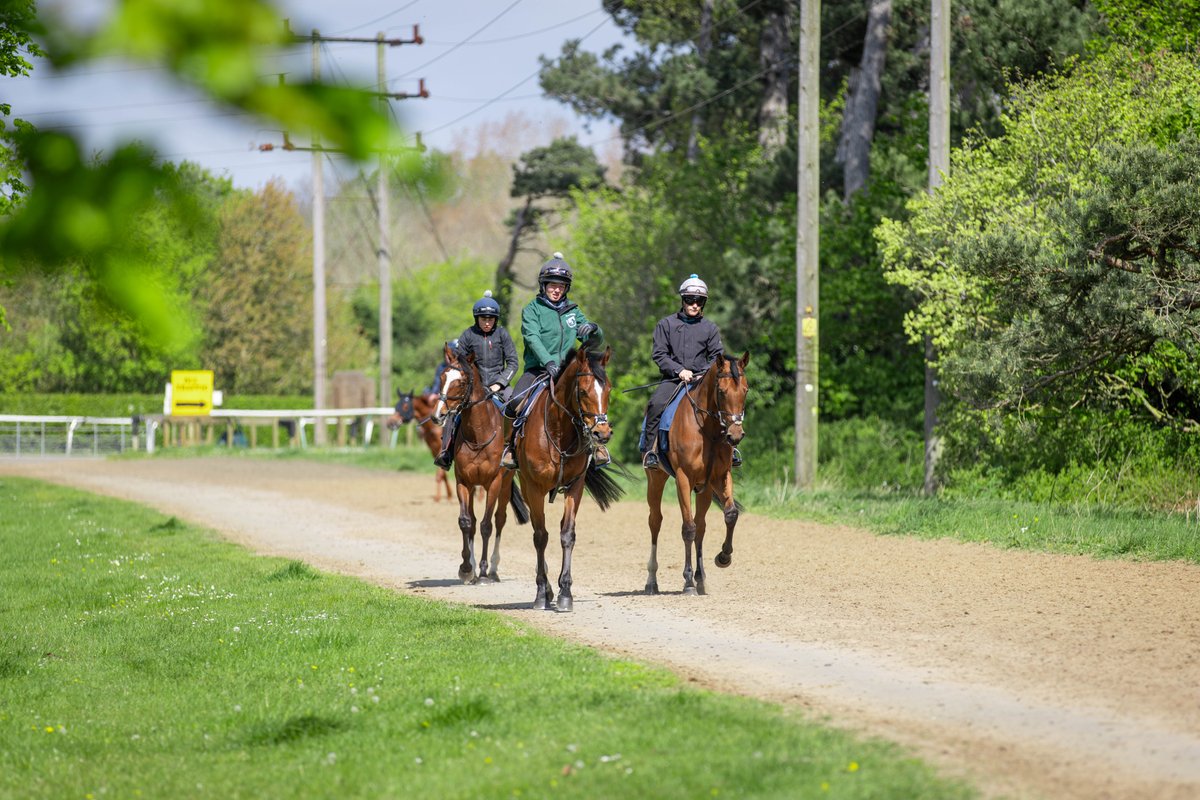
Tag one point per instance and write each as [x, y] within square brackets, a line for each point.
[555, 270]
[486, 306]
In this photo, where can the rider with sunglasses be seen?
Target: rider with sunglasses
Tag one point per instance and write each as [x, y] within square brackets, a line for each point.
[685, 346]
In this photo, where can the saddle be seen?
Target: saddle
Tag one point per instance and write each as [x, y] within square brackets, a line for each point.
[522, 406]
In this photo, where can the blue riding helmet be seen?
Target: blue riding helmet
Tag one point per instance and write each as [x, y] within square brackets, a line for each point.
[486, 306]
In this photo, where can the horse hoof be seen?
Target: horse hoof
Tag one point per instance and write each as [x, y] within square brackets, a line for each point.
[723, 559]
[540, 604]
[565, 603]
[651, 588]
[689, 590]
[494, 577]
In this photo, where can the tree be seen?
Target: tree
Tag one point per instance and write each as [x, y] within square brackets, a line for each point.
[257, 296]
[1055, 267]
[76, 210]
[543, 173]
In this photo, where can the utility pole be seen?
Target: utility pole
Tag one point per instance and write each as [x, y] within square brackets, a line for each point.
[807, 243]
[385, 251]
[320, 369]
[939, 167]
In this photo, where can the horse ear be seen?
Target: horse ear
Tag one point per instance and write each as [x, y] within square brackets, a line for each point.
[450, 359]
[744, 360]
[607, 355]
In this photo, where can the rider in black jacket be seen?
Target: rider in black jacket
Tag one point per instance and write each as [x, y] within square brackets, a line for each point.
[685, 346]
[495, 355]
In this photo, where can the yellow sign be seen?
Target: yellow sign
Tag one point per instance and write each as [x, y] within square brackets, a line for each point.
[808, 327]
[191, 392]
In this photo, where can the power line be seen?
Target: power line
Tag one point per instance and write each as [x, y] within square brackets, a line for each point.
[379, 19]
[530, 33]
[510, 89]
[480, 30]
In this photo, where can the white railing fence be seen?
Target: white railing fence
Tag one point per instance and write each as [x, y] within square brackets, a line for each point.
[33, 435]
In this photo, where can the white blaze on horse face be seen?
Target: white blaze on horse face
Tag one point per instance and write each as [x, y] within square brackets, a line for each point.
[598, 390]
[449, 377]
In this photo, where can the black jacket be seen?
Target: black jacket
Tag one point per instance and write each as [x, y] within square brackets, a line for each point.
[495, 354]
[679, 344]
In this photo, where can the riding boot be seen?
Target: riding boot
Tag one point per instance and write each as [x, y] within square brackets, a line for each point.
[508, 459]
[737, 458]
[443, 459]
[650, 460]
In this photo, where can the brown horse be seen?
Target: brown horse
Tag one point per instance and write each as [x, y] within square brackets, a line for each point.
[563, 426]
[465, 401]
[706, 426]
[410, 406]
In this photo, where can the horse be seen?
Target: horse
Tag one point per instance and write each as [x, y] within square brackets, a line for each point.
[410, 406]
[478, 443]
[563, 425]
[701, 454]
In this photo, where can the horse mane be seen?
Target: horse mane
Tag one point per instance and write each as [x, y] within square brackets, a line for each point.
[594, 361]
[733, 366]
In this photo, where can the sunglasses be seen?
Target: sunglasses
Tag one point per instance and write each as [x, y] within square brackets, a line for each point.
[692, 300]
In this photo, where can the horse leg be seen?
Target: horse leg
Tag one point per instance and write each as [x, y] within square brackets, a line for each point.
[703, 501]
[505, 481]
[724, 495]
[683, 489]
[537, 518]
[566, 533]
[485, 527]
[466, 524]
[655, 483]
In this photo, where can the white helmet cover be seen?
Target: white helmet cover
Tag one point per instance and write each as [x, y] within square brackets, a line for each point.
[694, 286]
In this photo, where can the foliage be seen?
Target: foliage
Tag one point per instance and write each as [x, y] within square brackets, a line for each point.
[1151, 24]
[257, 296]
[430, 306]
[263, 677]
[77, 210]
[1056, 264]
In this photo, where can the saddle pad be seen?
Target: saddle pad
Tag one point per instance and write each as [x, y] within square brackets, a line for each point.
[664, 424]
[519, 421]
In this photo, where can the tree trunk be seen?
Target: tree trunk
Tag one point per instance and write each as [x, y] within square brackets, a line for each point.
[772, 111]
[702, 48]
[504, 270]
[858, 125]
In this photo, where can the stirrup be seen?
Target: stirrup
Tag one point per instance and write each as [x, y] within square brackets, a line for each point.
[508, 459]
[443, 460]
[650, 460]
[737, 458]
[600, 456]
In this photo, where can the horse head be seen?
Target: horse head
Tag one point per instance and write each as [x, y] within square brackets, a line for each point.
[458, 384]
[586, 372]
[404, 410]
[731, 390]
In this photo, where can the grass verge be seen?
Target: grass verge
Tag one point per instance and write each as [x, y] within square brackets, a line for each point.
[141, 657]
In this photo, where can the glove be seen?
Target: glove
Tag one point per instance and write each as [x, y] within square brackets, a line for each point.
[586, 330]
[552, 368]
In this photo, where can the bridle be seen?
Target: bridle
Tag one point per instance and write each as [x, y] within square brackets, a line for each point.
[464, 402]
[724, 418]
[578, 419]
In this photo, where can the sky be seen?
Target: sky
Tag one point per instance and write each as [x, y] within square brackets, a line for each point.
[479, 61]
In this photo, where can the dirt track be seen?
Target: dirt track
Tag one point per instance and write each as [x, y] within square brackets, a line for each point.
[1031, 675]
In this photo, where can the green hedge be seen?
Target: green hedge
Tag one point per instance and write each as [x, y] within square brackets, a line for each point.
[125, 405]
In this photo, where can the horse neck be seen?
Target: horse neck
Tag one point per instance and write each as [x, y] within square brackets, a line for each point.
[706, 396]
[479, 408]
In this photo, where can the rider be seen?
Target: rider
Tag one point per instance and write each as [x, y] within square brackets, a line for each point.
[685, 346]
[436, 386]
[495, 355]
[550, 324]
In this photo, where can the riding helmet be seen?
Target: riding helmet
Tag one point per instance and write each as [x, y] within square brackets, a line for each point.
[693, 286]
[557, 270]
[486, 306]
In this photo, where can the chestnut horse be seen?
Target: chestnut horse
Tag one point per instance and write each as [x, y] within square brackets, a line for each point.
[410, 406]
[706, 426]
[478, 443]
[564, 424]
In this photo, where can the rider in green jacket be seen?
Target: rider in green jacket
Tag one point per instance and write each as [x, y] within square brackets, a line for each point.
[550, 326]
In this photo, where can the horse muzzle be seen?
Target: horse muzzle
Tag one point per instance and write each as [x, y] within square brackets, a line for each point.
[395, 421]
[601, 432]
[734, 435]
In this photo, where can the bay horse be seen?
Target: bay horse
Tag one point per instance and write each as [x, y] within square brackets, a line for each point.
[563, 425]
[706, 427]
[464, 399]
[419, 407]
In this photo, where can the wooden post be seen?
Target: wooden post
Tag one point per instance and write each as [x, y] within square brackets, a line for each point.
[807, 243]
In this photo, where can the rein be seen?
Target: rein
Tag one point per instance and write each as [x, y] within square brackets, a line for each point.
[582, 429]
[723, 419]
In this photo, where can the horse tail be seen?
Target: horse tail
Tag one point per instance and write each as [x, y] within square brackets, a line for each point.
[737, 504]
[602, 487]
[517, 501]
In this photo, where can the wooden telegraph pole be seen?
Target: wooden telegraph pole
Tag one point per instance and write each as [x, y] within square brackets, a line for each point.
[318, 222]
[807, 243]
[384, 250]
[939, 167]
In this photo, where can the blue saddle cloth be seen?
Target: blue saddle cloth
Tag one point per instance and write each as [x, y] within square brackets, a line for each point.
[519, 421]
